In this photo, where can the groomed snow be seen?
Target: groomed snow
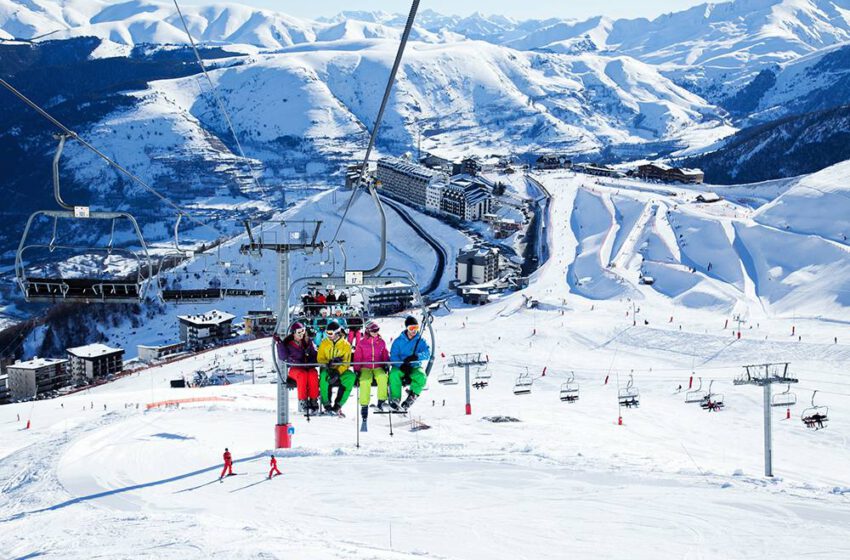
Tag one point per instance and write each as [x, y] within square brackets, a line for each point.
[672, 481]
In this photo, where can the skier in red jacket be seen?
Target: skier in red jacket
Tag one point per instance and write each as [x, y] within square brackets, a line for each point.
[228, 464]
[273, 469]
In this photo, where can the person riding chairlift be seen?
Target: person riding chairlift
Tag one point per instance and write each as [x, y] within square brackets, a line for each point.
[409, 351]
[335, 357]
[299, 351]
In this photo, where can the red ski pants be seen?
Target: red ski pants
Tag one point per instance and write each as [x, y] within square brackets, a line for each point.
[307, 380]
[274, 470]
[228, 469]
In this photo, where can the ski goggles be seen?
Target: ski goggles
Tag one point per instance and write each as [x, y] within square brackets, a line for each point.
[300, 331]
[333, 333]
[413, 328]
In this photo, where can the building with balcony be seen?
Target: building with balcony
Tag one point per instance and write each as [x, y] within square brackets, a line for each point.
[94, 361]
[213, 327]
[26, 380]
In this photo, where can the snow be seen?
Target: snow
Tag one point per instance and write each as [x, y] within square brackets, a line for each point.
[37, 363]
[673, 480]
[92, 350]
[213, 317]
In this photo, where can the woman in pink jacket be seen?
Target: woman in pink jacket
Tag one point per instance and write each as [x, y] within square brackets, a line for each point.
[370, 359]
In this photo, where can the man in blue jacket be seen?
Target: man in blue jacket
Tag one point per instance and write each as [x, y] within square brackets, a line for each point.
[409, 351]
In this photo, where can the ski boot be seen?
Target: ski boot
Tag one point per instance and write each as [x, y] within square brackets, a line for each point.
[411, 398]
[302, 406]
[337, 411]
[394, 404]
[364, 417]
[381, 406]
[313, 406]
[327, 409]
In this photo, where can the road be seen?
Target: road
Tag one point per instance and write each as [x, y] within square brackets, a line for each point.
[439, 250]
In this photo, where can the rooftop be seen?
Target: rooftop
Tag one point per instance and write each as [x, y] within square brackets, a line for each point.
[93, 350]
[214, 317]
[37, 363]
[408, 168]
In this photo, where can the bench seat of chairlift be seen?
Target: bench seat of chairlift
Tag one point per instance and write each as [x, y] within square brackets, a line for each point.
[53, 289]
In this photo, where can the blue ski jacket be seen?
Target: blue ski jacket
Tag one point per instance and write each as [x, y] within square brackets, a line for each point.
[403, 347]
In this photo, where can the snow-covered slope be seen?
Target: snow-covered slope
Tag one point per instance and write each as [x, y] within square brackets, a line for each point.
[465, 95]
[588, 479]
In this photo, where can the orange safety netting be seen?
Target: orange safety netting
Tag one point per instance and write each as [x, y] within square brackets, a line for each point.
[174, 402]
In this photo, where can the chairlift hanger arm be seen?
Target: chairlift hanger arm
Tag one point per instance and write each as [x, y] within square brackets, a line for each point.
[372, 138]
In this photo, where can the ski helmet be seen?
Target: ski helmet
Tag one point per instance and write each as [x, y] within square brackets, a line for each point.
[372, 327]
[410, 320]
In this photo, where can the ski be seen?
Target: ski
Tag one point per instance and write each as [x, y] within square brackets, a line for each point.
[363, 426]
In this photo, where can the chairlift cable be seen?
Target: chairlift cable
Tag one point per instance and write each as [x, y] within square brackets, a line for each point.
[365, 167]
[103, 156]
[219, 101]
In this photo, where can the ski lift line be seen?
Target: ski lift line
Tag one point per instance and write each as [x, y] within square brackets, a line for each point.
[365, 167]
[218, 100]
[824, 392]
[101, 155]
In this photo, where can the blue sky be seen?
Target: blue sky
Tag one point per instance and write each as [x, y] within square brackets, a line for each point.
[513, 8]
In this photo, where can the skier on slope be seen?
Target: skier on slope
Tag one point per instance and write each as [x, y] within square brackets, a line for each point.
[408, 352]
[335, 355]
[299, 351]
[273, 470]
[370, 359]
[228, 464]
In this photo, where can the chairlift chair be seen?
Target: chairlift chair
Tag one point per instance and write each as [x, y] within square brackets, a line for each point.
[569, 389]
[354, 292]
[483, 372]
[40, 285]
[523, 384]
[785, 399]
[697, 395]
[815, 417]
[712, 402]
[447, 377]
[629, 396]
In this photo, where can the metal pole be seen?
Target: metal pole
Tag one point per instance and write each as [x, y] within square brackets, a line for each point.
[283, 437]
[468, 403]
[768, 443]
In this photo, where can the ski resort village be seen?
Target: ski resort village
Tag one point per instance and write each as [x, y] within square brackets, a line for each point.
[396, 283]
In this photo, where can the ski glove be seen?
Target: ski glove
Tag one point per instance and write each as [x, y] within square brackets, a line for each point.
[291, 383]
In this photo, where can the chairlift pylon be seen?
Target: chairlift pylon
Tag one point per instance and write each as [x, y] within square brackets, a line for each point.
[104, 287]
[815, 417]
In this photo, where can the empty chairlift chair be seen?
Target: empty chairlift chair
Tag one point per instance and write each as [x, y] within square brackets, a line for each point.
[522, 385]
[785, 399]
[696, 396]
[629, 396]
[569, 390]
[815, 417]
[447, 377]
[66, 271]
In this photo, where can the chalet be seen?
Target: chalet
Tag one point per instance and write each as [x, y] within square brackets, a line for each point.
[553, 161]
[669, 174]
